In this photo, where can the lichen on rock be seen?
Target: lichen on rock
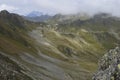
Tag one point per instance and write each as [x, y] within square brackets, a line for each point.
[109, 66]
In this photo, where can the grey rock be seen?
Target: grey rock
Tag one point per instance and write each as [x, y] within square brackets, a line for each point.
[109, 66]
[9, 70]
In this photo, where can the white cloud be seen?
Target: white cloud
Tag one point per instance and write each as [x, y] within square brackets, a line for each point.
[62, 6]
[75, 6]
[7, 7]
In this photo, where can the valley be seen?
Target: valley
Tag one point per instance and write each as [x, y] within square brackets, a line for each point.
[57, 49]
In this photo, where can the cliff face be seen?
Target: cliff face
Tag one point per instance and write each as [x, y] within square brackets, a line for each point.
[109, 66]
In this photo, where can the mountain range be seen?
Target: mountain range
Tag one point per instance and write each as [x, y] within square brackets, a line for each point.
[63, 47]
[36, 16]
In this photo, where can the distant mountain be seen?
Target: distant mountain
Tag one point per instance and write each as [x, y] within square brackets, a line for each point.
[41, 18]
[66, 47]
[97, 22]
[62, 18]
[35, 14]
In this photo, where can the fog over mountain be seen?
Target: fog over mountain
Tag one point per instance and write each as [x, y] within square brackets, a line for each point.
[61, 6]
[66, 46]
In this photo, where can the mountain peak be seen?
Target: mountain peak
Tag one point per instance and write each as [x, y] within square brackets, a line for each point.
[102, 15]
[4, 12]
[11, 18]
[35, 14]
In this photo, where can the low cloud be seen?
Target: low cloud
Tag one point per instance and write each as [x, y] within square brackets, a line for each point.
[75, 6]
[7, 7]
[62, 6]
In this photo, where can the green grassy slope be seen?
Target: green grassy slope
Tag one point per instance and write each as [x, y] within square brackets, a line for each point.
[66, 51]
[13, 37]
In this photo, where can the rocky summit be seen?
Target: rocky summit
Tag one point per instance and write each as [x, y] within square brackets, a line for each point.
[109, 66]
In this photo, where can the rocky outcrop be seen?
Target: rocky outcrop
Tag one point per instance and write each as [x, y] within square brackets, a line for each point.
[109, 66]
[9, 70]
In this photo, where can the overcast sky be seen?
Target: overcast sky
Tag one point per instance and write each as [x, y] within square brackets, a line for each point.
[61, 6]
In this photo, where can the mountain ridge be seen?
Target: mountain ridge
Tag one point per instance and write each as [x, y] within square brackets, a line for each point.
[35, 14]
[57, 50]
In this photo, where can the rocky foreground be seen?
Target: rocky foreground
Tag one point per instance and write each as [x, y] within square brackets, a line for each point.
[9, 70]
[109, 66]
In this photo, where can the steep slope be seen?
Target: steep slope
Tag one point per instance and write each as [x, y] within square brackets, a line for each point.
[54, 50]
[109, 66]
[9, 70]
[36, 58]
[103, 26]
[13, 41]
[13, 33]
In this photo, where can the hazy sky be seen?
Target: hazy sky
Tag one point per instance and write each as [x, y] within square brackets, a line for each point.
[61, 6]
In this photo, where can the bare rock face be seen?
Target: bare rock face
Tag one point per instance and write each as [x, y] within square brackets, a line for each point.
[109, 66]
[9, 70]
